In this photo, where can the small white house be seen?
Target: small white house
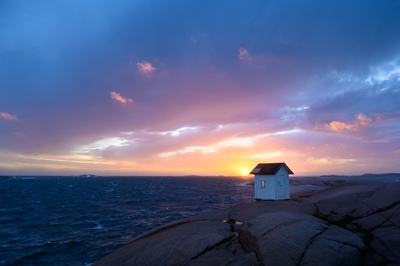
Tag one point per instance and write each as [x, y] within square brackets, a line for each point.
[271, 181]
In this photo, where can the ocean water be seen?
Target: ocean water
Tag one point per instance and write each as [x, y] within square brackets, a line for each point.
[78, 220]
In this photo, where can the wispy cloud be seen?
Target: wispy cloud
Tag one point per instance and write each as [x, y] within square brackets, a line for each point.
[198, 37]
[146, 67]
[19, 134]
[244, 55]
[261, 60]
[119, 98]
[8, 116]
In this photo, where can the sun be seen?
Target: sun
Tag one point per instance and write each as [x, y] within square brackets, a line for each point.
[244, 172]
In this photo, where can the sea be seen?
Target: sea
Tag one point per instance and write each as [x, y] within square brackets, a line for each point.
[78, 220]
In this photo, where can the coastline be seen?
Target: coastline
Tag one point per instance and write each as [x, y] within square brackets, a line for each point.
[351, 222]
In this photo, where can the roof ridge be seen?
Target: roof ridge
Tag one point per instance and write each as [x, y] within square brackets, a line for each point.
[270, 168]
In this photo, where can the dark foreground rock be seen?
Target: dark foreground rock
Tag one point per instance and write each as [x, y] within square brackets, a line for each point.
[347, 224]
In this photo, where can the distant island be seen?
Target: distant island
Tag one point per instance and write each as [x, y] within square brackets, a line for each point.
[87, 175]
[363, 175]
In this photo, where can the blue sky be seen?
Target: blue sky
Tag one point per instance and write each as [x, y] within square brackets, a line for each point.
[206, 87]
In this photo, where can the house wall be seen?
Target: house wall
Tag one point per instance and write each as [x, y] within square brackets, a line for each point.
[283, 177]
[276, 186]
[267, 192]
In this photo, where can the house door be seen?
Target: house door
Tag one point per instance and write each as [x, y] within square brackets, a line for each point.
[280, 191]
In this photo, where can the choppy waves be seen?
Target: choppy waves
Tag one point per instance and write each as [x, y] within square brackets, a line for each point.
[76, 221]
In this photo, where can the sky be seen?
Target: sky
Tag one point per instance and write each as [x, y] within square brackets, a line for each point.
[199, 87]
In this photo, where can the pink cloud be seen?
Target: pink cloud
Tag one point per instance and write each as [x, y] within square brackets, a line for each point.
[119, 98]
[386, 116]
[146, 67]
[361, 121]
[7, 116]
[244, 55]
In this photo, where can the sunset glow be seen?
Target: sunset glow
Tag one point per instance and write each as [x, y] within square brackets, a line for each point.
[199, 88]
[244, 172]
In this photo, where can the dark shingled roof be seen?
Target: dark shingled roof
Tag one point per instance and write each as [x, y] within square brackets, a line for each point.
[269, 168]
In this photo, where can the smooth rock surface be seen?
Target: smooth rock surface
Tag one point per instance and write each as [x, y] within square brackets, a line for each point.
[335, 246]
[280, 238]
[176, 244]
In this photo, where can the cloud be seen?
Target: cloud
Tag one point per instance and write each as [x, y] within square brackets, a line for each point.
[146, 67]
[385, 72]
[263, 60]
[7, 116]
[340, 94]
[386, 116]
[19, 134]
[361, 122]
[119, 98]
[198, 37]
[244, 55]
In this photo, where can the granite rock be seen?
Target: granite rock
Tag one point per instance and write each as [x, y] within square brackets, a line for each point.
[295, 239]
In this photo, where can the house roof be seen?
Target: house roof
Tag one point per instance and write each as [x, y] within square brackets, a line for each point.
[269, 168]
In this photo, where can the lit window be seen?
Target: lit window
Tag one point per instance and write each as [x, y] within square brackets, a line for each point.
[262, 183]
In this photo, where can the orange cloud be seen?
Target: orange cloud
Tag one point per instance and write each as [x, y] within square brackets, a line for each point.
[7, 116]
[360, 122]
[119, 98]
[146, 67]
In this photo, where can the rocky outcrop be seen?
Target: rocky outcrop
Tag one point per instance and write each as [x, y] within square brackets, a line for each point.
[297, 239]
[347, 224]
[372, 211]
